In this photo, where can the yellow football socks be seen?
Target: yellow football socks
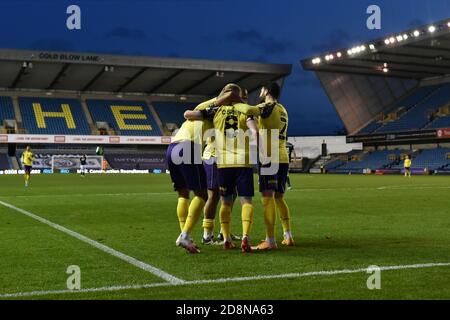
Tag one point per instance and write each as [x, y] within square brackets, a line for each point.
[208, 226]
[269, 216]
[182, 211]
[194, 212]
[225, 221]
[247, 219]
[285, 216]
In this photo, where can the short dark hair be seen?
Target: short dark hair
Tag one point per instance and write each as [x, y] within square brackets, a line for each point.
[273, 89]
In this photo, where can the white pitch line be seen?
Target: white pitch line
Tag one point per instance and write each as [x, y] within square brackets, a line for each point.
[141, 265]
[223, 280]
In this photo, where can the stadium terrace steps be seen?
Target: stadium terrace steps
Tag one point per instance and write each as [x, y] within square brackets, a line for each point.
[371, 127]
[128, 118]
[172, 112]
[53, 116]
[6, 109]
[416, 104]
[337, 162]
[438, 123]
[374, 160]
[431, 159]
[416, 117]
[41, 115]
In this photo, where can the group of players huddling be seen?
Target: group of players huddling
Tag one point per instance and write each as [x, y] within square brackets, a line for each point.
[223, 169]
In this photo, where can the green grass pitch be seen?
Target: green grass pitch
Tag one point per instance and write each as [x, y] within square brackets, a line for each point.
[339, 222]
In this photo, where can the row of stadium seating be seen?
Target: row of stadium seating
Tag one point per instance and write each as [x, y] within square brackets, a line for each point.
[53, 116]
[441, 122]
[417, 110]
[66, 116]
[430, 159]
[137, 122]
[373, 161]
[6, 109]
[5, 163]
[172, 112]
[341, 160]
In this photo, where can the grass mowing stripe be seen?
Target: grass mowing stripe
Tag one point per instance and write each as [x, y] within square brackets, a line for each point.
[172, 193]
[224, 280]
[93, 195]
[142, 265]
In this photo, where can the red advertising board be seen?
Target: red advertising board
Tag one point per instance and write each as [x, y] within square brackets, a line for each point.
[443, 133]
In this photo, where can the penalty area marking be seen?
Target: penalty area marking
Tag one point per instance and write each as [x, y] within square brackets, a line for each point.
[133, 261]
[223, 280]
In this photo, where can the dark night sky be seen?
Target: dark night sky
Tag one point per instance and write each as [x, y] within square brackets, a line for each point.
[253, 30]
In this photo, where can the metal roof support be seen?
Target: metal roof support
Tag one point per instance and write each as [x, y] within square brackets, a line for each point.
[131, 79]
[58, 76]
[199, 82]
[18, 77]
[165, 81]
[95, 78]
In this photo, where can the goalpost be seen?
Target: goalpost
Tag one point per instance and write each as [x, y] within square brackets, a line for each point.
[72, 162]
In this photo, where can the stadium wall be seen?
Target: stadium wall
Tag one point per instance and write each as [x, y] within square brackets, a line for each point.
[311, 147]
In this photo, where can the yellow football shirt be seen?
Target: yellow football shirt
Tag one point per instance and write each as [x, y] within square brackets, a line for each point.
[274, 117]
[232, 138]
[27, 158]
[408, 163]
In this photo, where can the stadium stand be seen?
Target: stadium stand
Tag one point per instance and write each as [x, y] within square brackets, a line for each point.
[340, 160]
[441, 122]
[53, 116]
[129, 118]
[417, 116]
[371, 127]
[415, 106]
[172, 112]
[6, 110]
[4, 162]
[431, 159]
[334, 164]
[374, 160]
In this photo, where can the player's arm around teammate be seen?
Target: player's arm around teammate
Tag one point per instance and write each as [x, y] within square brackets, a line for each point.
[184, 158]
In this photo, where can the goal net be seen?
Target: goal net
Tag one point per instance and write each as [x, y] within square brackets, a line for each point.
[72, 163]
